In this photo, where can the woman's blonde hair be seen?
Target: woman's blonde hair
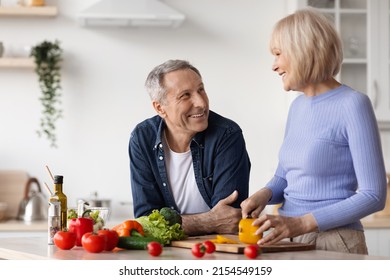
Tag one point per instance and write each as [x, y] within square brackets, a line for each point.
[310, 43]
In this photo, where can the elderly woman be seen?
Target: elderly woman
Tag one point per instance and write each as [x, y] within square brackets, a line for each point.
[331, 171]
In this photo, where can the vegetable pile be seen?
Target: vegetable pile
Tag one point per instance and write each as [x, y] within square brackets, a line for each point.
[98, 222]
[164, 225]
[149, 233]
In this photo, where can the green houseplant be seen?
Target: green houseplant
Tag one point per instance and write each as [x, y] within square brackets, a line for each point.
[47, 57]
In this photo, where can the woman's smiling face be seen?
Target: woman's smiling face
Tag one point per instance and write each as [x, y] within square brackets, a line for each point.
[281, 65]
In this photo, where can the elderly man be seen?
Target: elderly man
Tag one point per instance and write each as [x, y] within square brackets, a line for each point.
[187, 157]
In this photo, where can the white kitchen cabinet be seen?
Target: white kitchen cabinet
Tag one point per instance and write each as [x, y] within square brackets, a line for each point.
[378, 241]
[364, 26]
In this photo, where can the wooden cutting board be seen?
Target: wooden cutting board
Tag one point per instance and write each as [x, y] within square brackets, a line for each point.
[282, 246]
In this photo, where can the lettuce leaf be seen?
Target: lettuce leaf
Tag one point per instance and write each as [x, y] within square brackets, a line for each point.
[156, 226]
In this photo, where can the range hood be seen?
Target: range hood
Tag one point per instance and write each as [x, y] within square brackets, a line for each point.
[130, 13]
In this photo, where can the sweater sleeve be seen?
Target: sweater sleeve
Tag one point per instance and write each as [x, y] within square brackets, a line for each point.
[364, 143]
[277, 185]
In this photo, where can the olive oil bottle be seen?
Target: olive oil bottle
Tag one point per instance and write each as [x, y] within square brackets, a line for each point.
[59, 196]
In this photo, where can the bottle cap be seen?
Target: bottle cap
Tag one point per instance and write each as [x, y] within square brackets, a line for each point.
[58, 179]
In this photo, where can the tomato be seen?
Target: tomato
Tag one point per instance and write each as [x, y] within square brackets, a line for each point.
[252, 251]
[112, 238]
[65, 240]
[210, 246]
[154, 248]
[93, 243]
[247, 232]
[198, 250]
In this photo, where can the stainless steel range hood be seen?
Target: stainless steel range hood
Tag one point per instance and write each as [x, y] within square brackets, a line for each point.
[130, 13]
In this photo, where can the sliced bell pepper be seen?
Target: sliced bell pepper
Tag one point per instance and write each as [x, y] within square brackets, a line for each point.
[220, 239]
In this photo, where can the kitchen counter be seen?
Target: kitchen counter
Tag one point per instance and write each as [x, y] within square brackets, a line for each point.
[36, 248]
[376, 222]
[15, 225]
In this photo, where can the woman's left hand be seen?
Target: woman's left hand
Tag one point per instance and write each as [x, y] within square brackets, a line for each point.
[283, 227]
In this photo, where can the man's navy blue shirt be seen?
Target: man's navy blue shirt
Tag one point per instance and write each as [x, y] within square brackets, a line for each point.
[221, 164]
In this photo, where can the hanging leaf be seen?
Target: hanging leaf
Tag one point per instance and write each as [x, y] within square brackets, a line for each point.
[47, 57]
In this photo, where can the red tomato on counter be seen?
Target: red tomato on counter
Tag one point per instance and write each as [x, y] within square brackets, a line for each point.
[210, 246]
[198, 250]
[65, 240]
[112, 238]
[93, 243]
[251, 251]
[154, 248]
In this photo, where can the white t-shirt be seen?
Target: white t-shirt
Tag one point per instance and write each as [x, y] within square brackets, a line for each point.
[181, 179]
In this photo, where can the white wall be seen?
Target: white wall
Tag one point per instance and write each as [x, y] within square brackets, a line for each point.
[103, 96]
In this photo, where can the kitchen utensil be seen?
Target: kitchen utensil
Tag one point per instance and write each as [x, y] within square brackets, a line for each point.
[34, 205]
[95, 201]
[281, 246]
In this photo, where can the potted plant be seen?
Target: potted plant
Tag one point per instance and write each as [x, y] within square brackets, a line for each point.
[47, 57]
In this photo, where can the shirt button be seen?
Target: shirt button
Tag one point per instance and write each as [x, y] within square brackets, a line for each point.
[161, 157]
[164, 184]
[211, 178]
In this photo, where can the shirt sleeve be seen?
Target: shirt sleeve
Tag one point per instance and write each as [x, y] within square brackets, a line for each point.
[145, 191]
[231, 169]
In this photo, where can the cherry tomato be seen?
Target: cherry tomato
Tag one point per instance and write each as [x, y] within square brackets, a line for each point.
[93, 243]
[252, 251]
[210, 246]
[64, 240]
[112, 238]
[198, 250]
[154, 248]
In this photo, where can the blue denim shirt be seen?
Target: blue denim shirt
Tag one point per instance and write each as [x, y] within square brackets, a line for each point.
[221, 164]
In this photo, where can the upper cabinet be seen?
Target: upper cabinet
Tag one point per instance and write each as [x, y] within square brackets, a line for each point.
[364, 27]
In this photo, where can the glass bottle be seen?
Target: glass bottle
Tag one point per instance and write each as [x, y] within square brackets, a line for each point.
[53, 220]
[61, 197]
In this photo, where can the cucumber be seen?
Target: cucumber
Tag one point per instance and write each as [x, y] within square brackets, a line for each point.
[134, 242]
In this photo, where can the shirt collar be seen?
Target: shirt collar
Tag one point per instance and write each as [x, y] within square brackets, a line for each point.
[198, 138]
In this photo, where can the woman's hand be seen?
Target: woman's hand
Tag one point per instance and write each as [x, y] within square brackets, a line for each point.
[253, 205]
[284, 227]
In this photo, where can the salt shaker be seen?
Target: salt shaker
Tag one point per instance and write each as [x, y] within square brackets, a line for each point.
[53, 220]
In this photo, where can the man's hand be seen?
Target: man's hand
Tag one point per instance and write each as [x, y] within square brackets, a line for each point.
[222, 219]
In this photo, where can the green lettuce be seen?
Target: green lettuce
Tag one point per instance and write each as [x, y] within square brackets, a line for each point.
[157, 226]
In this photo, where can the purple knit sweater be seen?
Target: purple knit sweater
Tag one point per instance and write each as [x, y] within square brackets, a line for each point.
[331, 162]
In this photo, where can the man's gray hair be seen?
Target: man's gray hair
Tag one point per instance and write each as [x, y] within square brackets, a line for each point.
[155, 81]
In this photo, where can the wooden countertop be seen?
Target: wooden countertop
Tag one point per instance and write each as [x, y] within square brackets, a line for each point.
[36, 248]
[16, 225]
[376, 222]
